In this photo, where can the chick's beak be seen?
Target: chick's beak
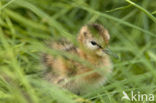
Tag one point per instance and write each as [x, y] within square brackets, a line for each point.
[109, 52]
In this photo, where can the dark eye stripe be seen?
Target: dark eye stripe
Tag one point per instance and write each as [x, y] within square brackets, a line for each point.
[100, 46]
[94, 43]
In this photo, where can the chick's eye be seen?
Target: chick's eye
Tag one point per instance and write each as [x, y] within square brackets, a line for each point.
[93, 42]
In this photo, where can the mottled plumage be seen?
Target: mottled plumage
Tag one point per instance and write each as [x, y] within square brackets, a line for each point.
[92, 39]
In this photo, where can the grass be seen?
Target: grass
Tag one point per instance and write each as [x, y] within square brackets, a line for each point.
[25, 25]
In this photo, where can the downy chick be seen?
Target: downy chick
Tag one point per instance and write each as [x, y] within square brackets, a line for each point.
[73, 75]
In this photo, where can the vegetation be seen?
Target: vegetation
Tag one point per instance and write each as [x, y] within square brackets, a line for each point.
[25, 25]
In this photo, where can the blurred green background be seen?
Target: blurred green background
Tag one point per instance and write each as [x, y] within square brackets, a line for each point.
[25, 26]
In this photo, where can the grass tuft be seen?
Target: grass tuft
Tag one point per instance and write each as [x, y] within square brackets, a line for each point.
[26, 26]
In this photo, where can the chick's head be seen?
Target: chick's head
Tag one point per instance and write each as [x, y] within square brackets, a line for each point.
[94, 38]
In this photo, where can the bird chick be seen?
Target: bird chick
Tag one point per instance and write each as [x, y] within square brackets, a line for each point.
[73, 75]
